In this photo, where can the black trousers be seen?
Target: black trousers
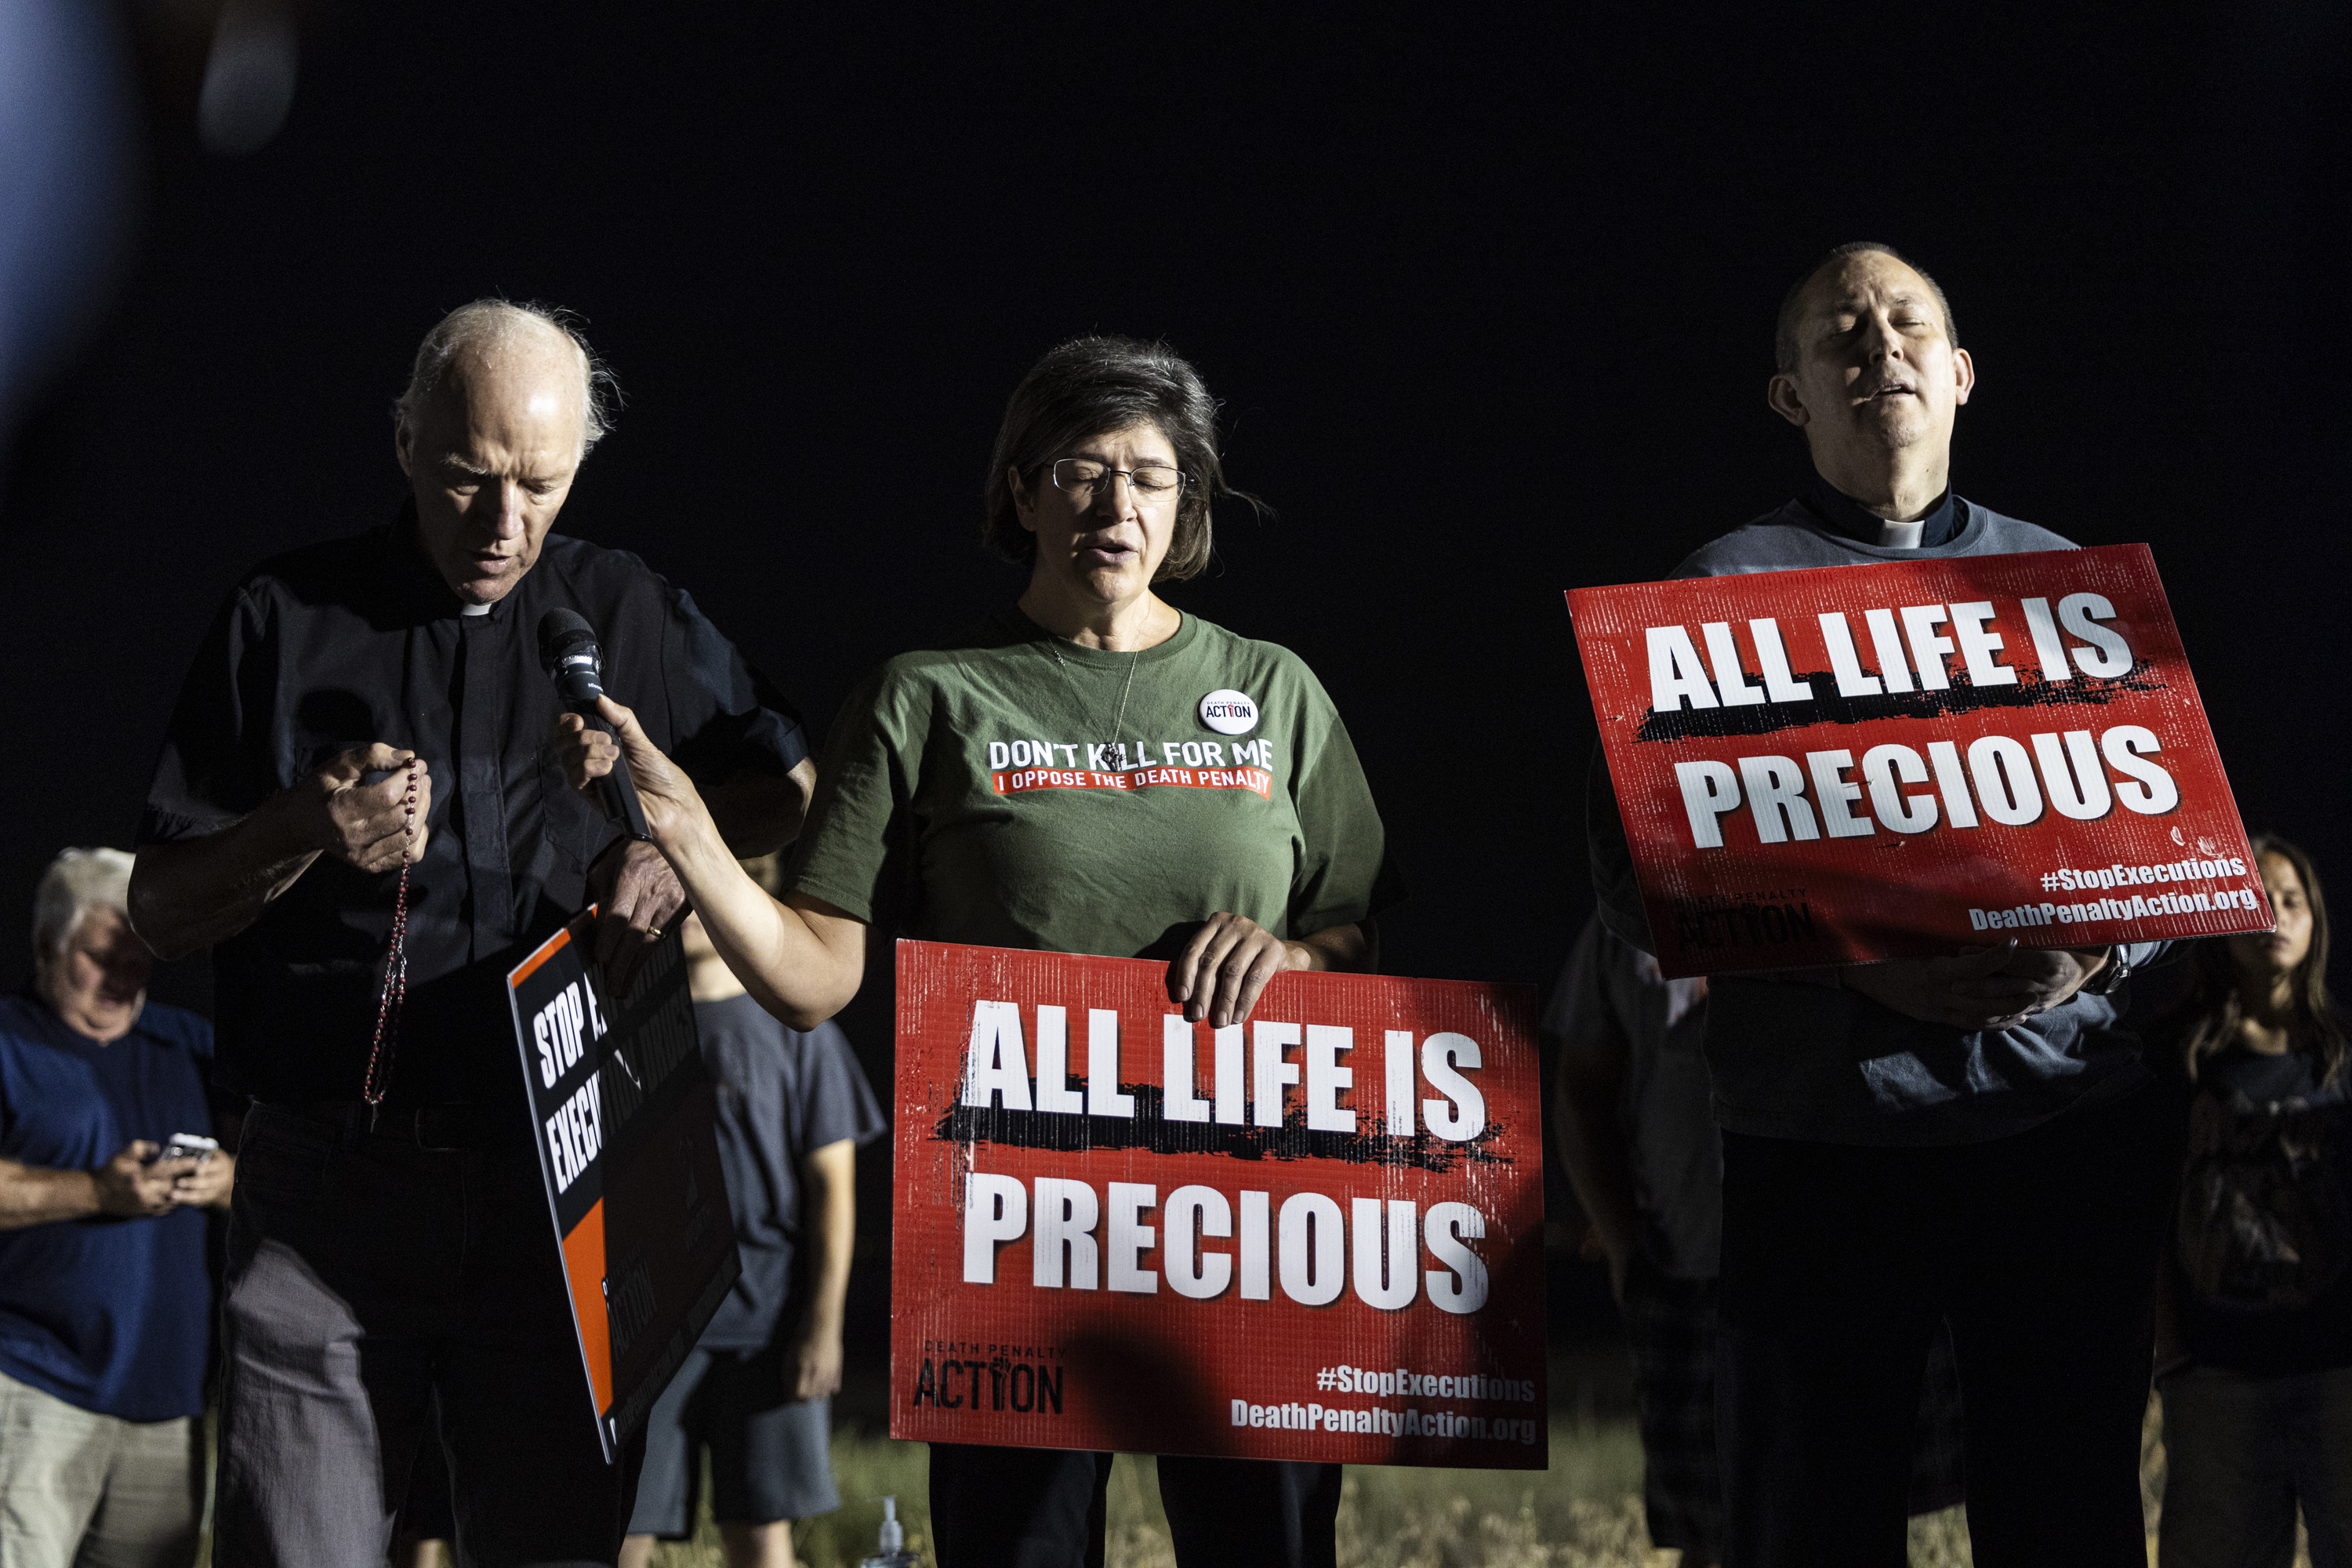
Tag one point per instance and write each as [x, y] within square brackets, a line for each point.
[1838, 1262]
[1044, 1508]
[370, 1281]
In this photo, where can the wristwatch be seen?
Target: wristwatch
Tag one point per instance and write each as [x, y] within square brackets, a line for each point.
[2117, 971]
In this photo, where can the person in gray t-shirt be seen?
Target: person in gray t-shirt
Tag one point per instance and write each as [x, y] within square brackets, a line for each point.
[756, 1390]
[1969, 1139]
[1631, 1108]
[1631, 1113]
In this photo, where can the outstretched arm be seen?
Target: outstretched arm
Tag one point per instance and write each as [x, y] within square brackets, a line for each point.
[801, 958]
[637, 895]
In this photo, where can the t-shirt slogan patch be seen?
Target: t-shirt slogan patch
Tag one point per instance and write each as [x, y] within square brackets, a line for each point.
[1015, 767]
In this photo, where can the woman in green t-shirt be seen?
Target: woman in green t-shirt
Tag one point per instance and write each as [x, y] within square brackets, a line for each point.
[1088, 770]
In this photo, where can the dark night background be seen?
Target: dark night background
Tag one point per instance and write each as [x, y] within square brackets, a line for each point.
[1490, 304]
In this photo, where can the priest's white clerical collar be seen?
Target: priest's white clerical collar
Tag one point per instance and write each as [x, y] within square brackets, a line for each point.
[1891, 536]
[1848, 516]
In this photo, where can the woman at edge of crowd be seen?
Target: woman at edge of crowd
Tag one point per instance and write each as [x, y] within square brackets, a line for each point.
[1101, 480]
[2257, 1395]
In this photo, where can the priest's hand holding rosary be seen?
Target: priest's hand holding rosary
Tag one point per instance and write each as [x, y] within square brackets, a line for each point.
[359, 807]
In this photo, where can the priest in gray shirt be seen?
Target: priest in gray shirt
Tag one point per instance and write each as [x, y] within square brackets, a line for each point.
[1970, 1139]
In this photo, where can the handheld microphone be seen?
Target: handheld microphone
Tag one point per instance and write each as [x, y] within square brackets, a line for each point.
[567, 647]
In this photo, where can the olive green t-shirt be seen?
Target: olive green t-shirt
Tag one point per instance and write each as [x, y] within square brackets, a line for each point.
[1013, 789]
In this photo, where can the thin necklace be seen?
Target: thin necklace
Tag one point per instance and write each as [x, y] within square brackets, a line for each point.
[1124, 691]
[1133, 660]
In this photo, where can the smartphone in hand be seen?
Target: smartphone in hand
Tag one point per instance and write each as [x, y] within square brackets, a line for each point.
[188, 1146]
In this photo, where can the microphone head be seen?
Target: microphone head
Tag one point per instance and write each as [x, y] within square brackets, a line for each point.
[565, 636]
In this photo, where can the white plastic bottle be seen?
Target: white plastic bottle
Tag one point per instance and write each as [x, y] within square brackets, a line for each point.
[893, 1552]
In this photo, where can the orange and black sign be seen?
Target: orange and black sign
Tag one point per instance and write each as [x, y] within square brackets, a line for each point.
[624, 1115]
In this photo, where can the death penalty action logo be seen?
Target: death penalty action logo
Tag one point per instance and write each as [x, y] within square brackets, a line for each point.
[1229, 712]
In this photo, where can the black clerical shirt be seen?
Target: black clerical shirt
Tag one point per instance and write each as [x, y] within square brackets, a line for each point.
[355, 641]
[1848, 516]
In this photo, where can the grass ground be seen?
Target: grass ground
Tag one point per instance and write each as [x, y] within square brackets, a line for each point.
[1584, 1512]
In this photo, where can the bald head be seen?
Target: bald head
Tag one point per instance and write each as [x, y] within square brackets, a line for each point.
[1792, 303]
[501, 407]
[472, 337]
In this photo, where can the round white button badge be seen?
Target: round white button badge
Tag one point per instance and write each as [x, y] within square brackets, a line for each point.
[1229, 712]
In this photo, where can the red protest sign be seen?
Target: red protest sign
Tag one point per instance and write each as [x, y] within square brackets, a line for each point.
[1876, 761]
[1316, 1236]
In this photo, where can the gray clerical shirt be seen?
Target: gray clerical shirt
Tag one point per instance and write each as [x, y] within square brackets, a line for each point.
[1795, 1055]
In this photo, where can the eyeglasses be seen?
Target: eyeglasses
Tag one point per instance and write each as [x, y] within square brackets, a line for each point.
[1080, 478]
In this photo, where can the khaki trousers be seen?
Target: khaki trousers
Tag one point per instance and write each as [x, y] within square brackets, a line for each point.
[78, 1489]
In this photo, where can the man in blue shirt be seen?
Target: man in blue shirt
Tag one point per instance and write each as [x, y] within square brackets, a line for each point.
[105, 1300]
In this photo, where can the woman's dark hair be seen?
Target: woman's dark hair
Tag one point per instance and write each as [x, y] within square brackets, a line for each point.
[2211, 1013]
[1088, 386]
